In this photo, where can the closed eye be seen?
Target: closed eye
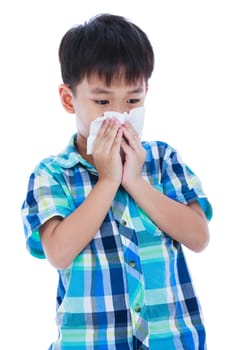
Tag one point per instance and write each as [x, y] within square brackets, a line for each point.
[102, 102]
[133, 100]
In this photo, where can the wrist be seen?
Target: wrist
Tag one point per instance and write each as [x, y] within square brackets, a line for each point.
[133, 184]
[109, 184]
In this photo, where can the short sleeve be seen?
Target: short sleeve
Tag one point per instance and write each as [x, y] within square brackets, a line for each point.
[45, 199]
[181, 184]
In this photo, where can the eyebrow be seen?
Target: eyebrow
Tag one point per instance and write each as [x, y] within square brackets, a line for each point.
[99, 90]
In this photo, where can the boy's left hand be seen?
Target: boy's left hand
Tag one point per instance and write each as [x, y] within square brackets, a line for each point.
[135, 156]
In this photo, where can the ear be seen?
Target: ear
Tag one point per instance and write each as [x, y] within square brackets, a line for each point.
[66, 97]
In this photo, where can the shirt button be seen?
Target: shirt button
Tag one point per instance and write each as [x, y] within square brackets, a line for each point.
[124, 222]
[137, 308]
[132, 263]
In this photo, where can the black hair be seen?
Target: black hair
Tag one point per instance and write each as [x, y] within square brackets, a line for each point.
[109, 46]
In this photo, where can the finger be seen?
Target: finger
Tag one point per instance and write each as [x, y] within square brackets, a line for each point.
[101, 133]
[109, 135]
[131, 136]
[103, 127]
[126, 147]
[117, 141]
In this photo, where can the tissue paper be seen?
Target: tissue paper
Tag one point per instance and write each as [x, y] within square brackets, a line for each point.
[135, 117]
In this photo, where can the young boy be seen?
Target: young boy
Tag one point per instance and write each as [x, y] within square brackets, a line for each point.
[113, 222]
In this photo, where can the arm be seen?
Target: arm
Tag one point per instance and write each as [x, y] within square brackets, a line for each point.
[63, 240]
[185, 223]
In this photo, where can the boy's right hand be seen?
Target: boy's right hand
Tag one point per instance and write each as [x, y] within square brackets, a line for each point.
[106, 151]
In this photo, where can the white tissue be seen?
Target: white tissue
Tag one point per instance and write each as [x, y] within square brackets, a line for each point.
[135, 117]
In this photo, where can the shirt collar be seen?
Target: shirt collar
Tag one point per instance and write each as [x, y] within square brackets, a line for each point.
[70, 157]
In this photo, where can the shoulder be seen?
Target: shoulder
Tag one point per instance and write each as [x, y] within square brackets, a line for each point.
[55, 164]
[47, 165]
[158, 149]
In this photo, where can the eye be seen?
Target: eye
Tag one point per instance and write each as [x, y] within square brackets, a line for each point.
[102, 102]
[133, 100]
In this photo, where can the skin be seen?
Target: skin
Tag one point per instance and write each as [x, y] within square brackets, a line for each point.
[64, 239]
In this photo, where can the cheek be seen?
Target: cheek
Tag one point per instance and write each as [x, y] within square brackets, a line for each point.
[84, 117]
[83, 125]
[81, 117]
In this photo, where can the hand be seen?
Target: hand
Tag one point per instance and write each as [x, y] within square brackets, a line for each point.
[135, 156]
[106, 151]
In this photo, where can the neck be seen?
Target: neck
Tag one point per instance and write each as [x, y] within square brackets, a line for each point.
[81, 145]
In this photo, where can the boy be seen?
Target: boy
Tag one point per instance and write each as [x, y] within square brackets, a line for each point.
[113, 222]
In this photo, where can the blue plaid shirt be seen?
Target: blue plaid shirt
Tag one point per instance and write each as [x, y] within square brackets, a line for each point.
[130, 288]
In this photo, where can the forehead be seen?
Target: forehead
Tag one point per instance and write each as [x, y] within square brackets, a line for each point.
[96, 84]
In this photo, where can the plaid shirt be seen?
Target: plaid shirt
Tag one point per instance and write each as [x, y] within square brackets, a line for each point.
[130, 288]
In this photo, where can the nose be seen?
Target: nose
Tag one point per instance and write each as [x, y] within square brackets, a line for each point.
[120, 108]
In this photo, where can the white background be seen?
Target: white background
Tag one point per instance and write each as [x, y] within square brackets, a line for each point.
[189, 105]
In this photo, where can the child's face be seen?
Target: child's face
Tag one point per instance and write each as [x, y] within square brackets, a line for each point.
[93, 97]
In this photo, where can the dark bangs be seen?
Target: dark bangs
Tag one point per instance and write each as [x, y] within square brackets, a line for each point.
[108, 46]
